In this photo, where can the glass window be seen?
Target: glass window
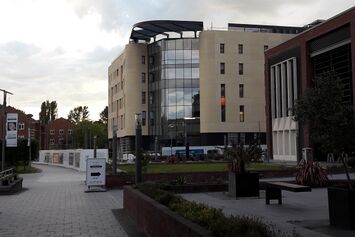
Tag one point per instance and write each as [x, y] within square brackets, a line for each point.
[170, 73]
[171, 97]
[223, 90]
[221, 48]
[266, 47]
[222, 68]
[195, 83]
[187, 96]
[187, 54]
[241, 68]
[143, 77]
[143, 97]
[171, 112]
[195, 73]
[180, 96]
[21, 126]
[195, 54]
[195, 43]
[179, 43]
[187, 43]
[223, 103]
[179, 54]
[171, 44]
[61, 131]
[241, 90]
[187, 72]
[240, 49]
[51, 132]
[223, 113]
[241, 113]
[188, 111]
[144, 117]
[143, 59]
[179, 73]
[180, 112]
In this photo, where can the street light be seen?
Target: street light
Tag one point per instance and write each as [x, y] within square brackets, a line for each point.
[187, 146]
[172, 125]
[138, 120]
[4, 128]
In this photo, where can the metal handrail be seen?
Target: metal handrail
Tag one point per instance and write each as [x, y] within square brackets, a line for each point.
[6, 172]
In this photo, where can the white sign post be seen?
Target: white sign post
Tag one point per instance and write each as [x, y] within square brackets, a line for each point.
[11, 129]
[95, 175]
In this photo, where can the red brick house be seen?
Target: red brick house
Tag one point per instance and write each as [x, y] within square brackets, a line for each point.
[58, 134]
[25, 122]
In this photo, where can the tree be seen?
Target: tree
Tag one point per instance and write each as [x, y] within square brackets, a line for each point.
[329, 119]
[48, 112]
[84, 132]
[104, 116]
[79, 114]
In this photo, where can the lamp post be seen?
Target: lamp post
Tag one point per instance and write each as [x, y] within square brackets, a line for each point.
[171, 138]
[187, 145]
[114, 149]
[138, 120]
[4, 128]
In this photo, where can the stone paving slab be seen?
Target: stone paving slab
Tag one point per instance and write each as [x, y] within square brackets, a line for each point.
[55, 204]
[306, 212]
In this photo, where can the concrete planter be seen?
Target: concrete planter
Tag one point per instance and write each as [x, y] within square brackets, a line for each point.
[341, 203]
[157, 220]
[243, 185]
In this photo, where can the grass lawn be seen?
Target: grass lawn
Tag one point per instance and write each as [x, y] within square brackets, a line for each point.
[199, 167]
[19, 170]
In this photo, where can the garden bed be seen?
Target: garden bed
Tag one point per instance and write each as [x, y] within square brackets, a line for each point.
[160, 213]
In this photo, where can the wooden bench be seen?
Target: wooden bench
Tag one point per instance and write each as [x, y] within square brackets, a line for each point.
[273, 190]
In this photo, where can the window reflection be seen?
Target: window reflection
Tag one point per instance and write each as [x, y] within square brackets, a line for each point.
[176, 67]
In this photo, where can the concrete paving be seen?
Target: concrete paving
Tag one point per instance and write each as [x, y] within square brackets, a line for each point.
[54, 204]
[307, 212]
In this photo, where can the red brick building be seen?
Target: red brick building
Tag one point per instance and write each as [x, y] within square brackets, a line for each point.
[58, 134]
[289, 70]
[25, 122]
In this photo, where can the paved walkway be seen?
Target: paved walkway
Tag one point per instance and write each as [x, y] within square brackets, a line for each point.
[306, 212]
[54, 204]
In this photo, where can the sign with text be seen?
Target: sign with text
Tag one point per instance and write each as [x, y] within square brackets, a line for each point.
[11, 129]
[95, 172]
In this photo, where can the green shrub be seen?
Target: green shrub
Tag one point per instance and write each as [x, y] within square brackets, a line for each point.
[213, 219]
[312, 174]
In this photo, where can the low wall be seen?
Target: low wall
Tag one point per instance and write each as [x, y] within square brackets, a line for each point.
[12, 188]
[119, 180]
[157, 220]
[75, 159]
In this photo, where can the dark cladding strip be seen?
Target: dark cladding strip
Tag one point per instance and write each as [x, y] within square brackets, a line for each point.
[148, 29]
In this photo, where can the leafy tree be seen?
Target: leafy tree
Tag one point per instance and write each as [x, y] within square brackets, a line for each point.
[84, 132]
[104, 116]
[329, 119]
[16, 156]
[79, 114]
[49, 111]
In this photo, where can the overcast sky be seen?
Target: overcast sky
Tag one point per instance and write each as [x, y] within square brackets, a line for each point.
[60, 49]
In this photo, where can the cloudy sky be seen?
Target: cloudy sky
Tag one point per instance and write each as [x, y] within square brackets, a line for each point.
[60, 49]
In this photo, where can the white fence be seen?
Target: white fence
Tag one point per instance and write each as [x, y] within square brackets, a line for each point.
[75, 159]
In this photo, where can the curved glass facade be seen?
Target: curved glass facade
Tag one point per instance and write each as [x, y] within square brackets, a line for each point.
[174, 89]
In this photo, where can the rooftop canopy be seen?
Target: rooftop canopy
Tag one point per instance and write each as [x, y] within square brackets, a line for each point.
[150, 29]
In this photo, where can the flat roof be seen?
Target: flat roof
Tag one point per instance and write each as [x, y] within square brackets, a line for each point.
[149, 29]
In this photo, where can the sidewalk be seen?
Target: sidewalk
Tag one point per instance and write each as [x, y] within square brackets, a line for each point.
[54, 204]
[307, 212]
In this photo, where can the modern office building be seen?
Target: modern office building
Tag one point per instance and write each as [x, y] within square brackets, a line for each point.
[196, 86]
[290, 69]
